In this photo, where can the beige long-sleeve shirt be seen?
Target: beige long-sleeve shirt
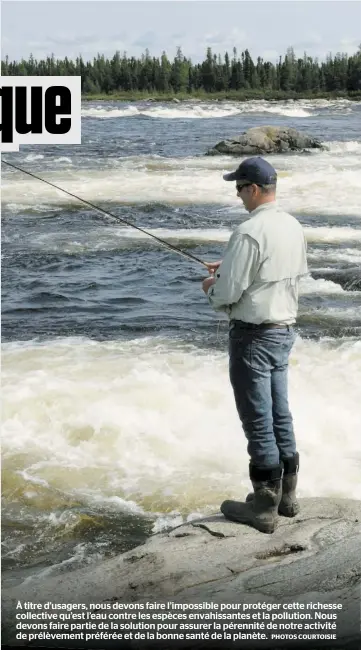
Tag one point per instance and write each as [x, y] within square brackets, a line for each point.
[258, 280]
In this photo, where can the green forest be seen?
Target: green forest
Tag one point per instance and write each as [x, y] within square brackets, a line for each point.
[237, 75]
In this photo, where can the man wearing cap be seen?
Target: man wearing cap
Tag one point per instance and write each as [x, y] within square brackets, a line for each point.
[256, 284]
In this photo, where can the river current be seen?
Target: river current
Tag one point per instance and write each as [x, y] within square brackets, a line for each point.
[118, 416]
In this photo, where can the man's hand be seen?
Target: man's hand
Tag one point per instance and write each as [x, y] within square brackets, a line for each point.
[207, 282]
[213, 266]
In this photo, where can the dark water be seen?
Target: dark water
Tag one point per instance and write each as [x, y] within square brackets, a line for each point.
[51, 291]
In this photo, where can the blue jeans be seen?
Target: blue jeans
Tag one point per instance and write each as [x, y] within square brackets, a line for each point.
[258, 365]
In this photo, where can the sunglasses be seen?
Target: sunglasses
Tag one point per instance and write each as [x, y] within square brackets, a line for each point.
[239, 188]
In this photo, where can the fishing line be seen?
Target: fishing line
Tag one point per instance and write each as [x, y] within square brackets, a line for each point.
[109, 214]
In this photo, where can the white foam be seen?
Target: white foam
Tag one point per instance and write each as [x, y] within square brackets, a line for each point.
[63, 159]
[102, 112]
[349, 146]
[287, 112]
[309, 285]
[216, 109]
[345, 315]
[328, 191]
[33, 156]
[325, 183]
[32, 479]
[110, 237]
[165, 111]
[153, 423]
[321, 255]
[332, 234]
[202, 111]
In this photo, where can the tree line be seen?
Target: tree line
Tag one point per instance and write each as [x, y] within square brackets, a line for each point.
[339, 73]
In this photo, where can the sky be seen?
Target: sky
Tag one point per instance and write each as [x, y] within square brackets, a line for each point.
[266, 27]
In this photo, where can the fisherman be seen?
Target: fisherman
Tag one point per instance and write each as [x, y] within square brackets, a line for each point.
[257, 285]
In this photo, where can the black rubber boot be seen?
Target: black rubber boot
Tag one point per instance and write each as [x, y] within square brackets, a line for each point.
[289, 506]
[261, 512]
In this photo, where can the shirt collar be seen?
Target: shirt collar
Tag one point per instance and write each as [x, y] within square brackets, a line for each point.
[271, 205]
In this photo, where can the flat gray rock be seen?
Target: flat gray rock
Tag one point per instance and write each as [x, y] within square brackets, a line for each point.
[315, 557]
[266, 140]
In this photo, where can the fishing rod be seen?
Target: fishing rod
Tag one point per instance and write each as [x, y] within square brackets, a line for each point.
[109, 214]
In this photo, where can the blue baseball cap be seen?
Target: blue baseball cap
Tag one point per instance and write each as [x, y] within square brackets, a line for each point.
[253, 170]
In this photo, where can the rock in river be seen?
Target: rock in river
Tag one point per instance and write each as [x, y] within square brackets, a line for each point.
[310, 567]
[266, 140]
